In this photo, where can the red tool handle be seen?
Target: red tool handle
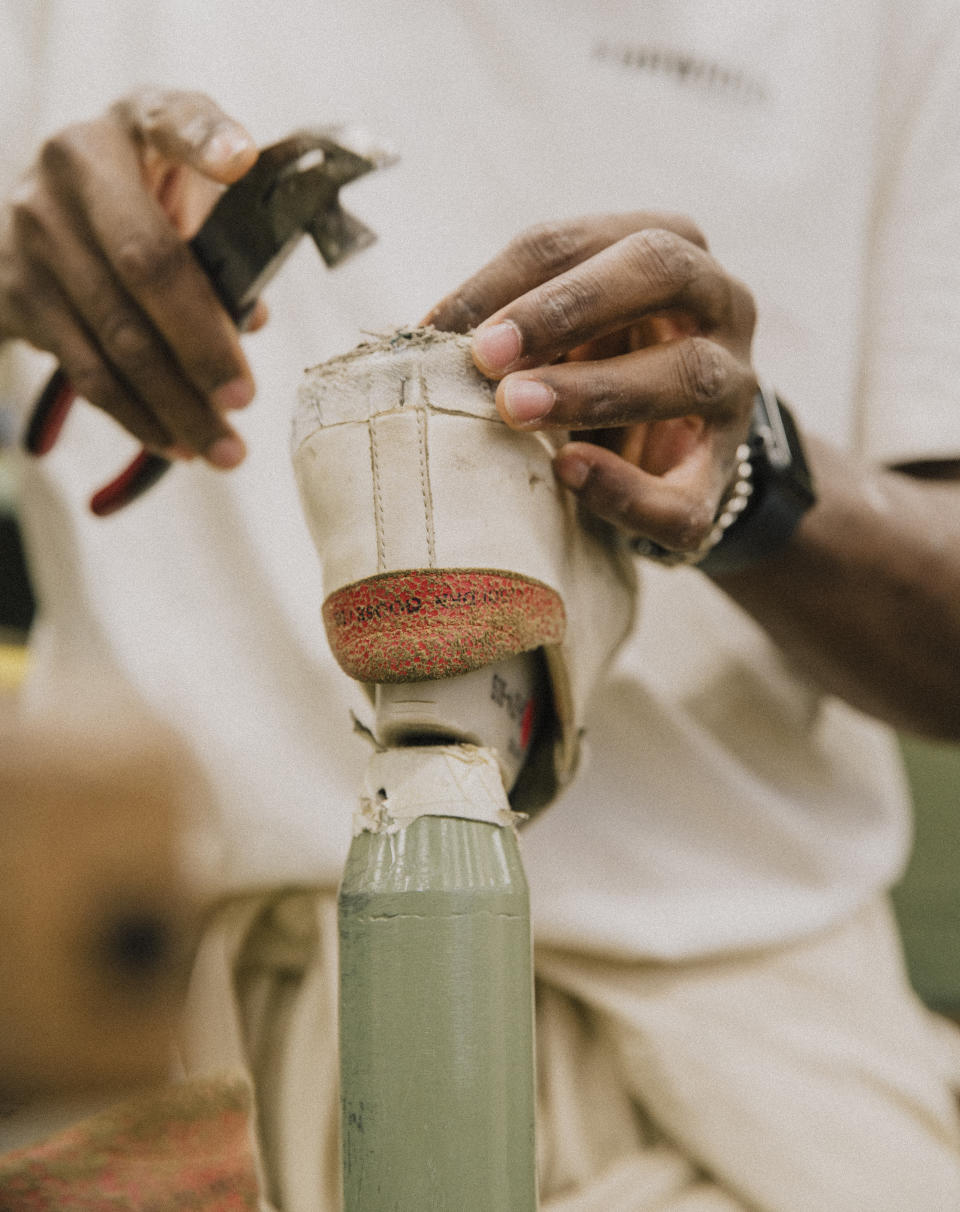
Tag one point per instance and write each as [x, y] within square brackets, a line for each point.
[142, 474]
[49, 414]
[47, 420]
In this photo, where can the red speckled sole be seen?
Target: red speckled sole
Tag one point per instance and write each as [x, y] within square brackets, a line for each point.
[415, 625]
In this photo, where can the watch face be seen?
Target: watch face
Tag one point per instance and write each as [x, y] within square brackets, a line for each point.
[780, 446]
[768, 426]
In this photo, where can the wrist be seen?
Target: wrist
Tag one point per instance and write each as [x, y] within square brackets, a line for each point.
[772, 492]
[783, 490]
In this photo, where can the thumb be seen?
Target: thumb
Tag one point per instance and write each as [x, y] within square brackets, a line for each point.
[188, 128]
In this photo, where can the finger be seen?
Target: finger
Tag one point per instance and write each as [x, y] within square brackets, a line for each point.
[694, 375]
[540, 254]
[676, 510]
[134, 353]
[644, 273]
[185, 197]
[190, 128]
[258, 317]
[59, 330]
[154, 266]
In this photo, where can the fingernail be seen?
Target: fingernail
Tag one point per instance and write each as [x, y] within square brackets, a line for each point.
[497, 346]
[226, 452]
[229, 143]
[573, 472]
[236, 394]
[527, 400]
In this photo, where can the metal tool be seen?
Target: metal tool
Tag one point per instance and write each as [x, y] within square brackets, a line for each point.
[291, 191]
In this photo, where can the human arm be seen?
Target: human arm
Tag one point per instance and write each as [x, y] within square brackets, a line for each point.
[865, 597]
[94, 268]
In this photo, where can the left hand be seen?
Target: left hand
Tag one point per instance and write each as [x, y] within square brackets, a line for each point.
[622, 327]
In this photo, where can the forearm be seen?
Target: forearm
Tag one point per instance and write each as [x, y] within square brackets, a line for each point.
[866, 597]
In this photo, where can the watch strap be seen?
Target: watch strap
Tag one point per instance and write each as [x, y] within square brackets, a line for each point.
[783, 490]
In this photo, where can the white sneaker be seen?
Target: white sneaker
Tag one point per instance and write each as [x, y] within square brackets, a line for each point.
[445, 540]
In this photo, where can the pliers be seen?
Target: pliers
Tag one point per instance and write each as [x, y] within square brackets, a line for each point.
[292, 190]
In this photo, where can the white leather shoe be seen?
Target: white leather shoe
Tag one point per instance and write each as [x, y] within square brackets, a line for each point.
[445, 540]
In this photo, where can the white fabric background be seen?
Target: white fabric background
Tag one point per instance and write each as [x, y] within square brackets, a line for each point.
[726, 804]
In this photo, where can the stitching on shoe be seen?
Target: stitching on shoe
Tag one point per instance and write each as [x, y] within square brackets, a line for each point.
[377, 496]
[425, 487]
[311, 410]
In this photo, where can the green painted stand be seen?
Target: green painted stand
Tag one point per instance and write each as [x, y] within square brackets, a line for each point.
[436, 1020]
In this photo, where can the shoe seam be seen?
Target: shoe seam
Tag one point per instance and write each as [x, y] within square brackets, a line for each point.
[322, 426]
[378, 520]
[425, 486]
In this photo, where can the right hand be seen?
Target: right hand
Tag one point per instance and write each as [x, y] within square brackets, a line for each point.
[623, 329]
[95, 268]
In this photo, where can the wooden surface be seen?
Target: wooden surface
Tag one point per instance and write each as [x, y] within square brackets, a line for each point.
[95, 920]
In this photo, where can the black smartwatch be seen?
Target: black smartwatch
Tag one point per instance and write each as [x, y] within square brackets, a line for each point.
[778, 490]
[782, 490]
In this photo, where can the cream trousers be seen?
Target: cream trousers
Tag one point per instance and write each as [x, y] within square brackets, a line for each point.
[805, 1078]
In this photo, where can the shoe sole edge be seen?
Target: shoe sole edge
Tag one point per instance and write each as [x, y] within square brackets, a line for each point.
[419, 624]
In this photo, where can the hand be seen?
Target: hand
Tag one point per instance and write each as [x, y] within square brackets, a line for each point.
[624, 328]
[94, 267]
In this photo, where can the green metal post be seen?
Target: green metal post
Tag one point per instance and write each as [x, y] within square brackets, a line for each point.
[436, 1001]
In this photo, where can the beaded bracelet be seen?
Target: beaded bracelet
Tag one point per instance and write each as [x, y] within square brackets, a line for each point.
[731, 507]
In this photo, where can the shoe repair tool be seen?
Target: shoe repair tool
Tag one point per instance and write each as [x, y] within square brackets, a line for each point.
[292, 190]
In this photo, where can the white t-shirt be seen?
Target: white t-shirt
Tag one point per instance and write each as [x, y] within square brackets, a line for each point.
[726, 803]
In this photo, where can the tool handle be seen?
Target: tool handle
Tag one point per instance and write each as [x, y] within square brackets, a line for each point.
[49, 414]
[46, 421]
[50, 410]
[142, 474]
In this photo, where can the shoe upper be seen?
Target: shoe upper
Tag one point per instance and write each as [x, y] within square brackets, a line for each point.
[445, 540]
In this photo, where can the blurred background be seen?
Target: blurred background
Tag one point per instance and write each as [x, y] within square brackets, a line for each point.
[927, 900]
[16, 598]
